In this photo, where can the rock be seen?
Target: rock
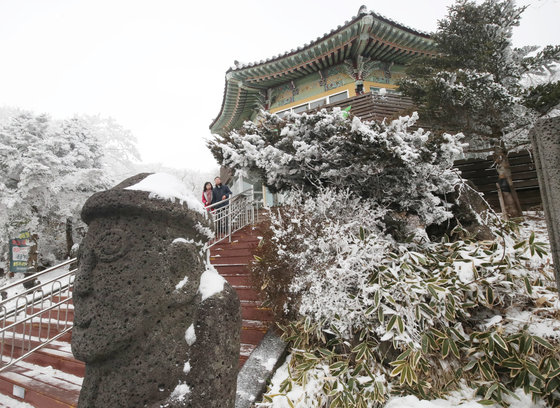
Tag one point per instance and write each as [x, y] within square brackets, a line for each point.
[142, 327]
[546, 148]
[469, 208]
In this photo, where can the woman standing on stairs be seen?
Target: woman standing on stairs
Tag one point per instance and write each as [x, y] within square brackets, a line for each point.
[207, 194]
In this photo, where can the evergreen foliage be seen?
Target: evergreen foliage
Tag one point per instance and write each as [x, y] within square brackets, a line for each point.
[390, 164]
[48, 168]
[473, 84]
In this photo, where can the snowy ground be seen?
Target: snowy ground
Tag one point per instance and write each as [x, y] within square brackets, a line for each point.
[543, 320]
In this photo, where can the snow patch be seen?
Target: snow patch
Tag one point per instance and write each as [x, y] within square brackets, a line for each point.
[201, 229]
[182, 241]
[269, 364]
[190, 335]
[181, 284]
[180, 392]
[164, 186]
[211, 282]
[187, 367]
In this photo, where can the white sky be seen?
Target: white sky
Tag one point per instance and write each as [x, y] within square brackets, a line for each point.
[158, 67]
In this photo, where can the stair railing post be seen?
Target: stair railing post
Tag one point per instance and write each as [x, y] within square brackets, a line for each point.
[229, 220]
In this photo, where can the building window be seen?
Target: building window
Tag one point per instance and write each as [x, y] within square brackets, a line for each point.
[316, 103]
[338, 97]
[301, 108]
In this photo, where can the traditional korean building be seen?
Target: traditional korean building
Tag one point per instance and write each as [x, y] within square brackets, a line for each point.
[352, 65]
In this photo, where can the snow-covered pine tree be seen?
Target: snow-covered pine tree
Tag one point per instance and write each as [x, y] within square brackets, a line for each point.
[48, 168]
[473, 84]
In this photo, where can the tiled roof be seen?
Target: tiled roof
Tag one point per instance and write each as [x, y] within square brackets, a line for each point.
[368, 34]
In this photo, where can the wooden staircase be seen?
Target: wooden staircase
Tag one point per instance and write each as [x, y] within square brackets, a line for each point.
[48, 378]
[232, 259]
[52, 378]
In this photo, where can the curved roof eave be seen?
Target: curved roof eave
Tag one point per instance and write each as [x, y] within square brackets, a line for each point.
[409, 43]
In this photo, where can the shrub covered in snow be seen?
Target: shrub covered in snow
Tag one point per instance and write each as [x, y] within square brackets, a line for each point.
[368, 316]
[397, 167]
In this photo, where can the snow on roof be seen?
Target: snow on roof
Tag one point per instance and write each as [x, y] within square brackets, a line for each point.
[167, 187]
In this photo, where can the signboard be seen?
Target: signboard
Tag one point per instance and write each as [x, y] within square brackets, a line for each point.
[19, 252]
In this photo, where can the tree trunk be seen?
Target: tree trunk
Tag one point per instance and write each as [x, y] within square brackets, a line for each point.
[69, 238]
[511, 207]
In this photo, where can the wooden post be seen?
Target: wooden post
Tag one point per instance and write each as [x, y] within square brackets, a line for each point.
[502, 204]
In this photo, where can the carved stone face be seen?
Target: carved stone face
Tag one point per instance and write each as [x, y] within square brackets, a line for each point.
[129, 269]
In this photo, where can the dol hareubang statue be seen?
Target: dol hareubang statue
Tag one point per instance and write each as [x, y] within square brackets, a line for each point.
[150, 334]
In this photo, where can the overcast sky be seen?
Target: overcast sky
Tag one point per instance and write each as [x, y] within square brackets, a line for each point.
[158, 67]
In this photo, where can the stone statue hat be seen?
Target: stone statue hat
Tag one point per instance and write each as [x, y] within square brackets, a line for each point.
[157, 196]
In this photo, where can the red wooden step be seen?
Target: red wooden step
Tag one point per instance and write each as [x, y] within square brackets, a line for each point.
[40, 329]
[57, 359]
[239, 280]
[65, 312]
[41, 390]
[255, 312]
[230, 260]
[236, 245]
[246, 293]
[231, 270]
[223, 252]
[56, 354]
[253, 331]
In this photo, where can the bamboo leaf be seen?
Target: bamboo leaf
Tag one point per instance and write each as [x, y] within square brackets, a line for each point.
[400, 324]
[528, 285]
[499, 341]
[445, 348]
[392, 322]
[543, 342]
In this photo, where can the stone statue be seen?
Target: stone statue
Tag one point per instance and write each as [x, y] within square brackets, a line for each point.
[150, 324]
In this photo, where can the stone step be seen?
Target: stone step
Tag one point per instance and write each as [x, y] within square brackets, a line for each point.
[38, 388]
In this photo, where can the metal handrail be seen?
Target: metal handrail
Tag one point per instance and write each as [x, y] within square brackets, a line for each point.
[232, 214]
[36, 275]
[47, 304]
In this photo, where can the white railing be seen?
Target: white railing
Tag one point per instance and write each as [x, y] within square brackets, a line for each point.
[44, 313]
[37, 316]
[231, 215]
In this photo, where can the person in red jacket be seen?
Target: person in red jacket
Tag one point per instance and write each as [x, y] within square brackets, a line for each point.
[207, 194]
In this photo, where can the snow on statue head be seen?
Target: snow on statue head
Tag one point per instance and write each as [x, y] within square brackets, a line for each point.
[154, 322]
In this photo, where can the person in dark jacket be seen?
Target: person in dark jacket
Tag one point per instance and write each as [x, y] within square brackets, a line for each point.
[220, 192]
